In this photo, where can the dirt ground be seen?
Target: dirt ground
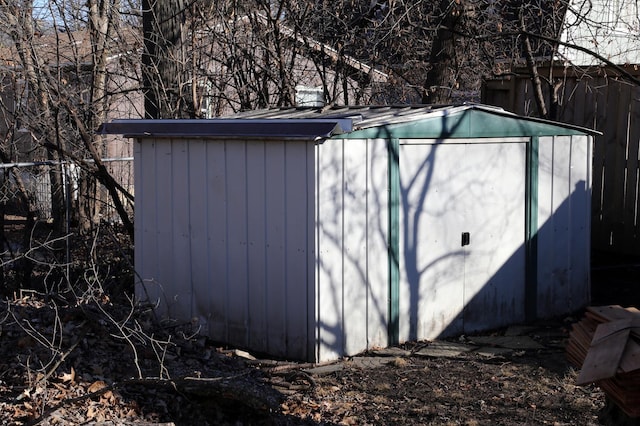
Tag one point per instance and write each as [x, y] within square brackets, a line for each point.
[97, 362]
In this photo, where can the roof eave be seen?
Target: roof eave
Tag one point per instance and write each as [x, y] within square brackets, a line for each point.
[267, 129]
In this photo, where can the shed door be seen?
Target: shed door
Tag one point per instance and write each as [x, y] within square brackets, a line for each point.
[462, 237]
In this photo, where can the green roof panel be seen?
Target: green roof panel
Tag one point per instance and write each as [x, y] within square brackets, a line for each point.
[466, 123]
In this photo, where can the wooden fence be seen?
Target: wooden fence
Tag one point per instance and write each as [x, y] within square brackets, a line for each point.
[596, 99]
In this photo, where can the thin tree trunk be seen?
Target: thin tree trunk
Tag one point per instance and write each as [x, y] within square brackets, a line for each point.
[533, 69]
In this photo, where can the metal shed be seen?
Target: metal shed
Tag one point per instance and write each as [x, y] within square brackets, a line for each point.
[313, 233]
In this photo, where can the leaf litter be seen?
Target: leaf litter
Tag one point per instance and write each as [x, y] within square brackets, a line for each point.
[93, 357]
[72, 365]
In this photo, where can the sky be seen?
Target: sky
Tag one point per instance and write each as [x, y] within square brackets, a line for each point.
[40, 10]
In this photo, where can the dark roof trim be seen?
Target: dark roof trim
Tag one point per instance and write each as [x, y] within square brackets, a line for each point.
[287, 129]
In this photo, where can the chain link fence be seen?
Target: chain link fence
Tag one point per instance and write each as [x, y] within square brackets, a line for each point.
[33, 180]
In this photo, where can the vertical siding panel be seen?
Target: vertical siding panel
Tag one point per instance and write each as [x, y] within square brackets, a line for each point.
[275, 241]
[163, 210]
[256, 195]
[310, 311]
[145, 221]
[580, 211]
[180, 204]
[377, 243]
[198, 231]
[237, 275]
[561, 222]
[138, 221]
[355, 246]
[217, 237]
[545, 226]
[315, 313]
[564, 213]
[297, 217]
[329, 234]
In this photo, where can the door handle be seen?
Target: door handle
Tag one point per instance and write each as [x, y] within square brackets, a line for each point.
[466, 239]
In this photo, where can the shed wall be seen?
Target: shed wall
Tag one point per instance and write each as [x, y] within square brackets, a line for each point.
[564, 206]
[225, 238]
[352, 234]
[283, 246]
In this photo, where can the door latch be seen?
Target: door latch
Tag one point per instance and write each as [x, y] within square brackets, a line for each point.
[466, 239]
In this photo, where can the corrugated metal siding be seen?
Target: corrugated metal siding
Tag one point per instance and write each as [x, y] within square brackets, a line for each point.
[352, 268]
[234, 218]
[564, 198]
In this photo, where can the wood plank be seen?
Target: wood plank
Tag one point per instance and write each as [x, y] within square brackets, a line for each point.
[623, 387]
[631, 357]
[613, 312]
[614, 183]
[628, 402]
[632, 134]
[605, 352]
[600, 228]
[567, 100]
[634, 163]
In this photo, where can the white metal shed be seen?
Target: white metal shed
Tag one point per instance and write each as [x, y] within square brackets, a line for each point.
[314, 233]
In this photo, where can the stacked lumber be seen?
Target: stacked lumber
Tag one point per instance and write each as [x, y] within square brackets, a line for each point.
[605, 345]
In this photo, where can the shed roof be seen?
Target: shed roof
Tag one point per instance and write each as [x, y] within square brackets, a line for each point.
[307, 123]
